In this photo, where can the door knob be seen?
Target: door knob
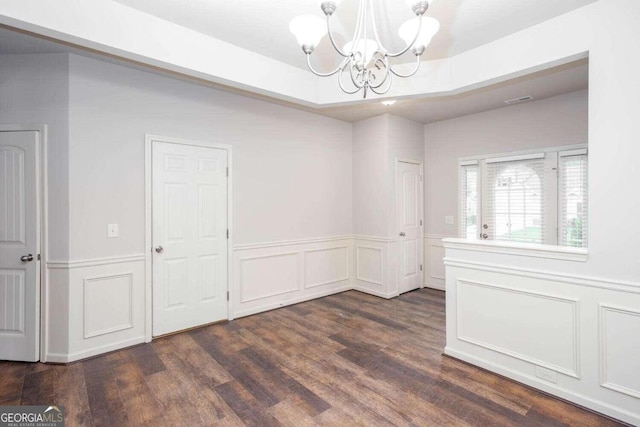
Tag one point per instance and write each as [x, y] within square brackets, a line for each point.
[159, 249]
[402, 234]
[26, 258]
[485, 236]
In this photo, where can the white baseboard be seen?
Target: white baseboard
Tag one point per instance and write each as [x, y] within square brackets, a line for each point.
[96, 351]
[374, 292]
[555, 390]
[435, 286]
[292, 301]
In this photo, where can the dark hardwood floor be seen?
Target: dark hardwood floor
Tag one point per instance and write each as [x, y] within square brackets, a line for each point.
[348, 359]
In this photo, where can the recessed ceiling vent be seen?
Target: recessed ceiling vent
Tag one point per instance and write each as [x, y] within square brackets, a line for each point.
[518, 100]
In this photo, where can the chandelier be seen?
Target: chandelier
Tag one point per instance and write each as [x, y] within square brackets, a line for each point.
[364, 58]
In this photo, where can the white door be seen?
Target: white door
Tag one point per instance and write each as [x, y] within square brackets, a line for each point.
[19, 247]
[410, 240]
[189, 236]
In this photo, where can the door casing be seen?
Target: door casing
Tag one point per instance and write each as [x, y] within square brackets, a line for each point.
[149, 139]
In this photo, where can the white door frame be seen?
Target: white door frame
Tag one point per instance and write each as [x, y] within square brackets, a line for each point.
[421, 192]
[149, 139]
[42, 296]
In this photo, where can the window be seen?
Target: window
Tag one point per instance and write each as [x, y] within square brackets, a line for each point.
[469, 199]
[573, 198]
[531, 198]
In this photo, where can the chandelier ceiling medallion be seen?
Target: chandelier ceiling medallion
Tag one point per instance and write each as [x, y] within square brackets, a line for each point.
[365, 59]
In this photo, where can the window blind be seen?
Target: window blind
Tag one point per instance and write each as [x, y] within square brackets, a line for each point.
[469, 198]
[573, 200]
[515, 193]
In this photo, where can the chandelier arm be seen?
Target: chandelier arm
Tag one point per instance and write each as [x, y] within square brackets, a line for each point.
[353, 80]
[333, 42]
[383, 91]
[324, 74]
[385, 62]
[348, 92]
[402, 52]
[415, 70]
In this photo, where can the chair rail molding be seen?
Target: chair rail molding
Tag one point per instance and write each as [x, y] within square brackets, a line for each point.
[71, 264]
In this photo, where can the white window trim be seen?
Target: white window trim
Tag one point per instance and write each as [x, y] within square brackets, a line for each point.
[558, 149]
[515, 158]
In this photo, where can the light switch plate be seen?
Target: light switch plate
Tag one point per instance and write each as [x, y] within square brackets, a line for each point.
[448, 219]
[112, 230]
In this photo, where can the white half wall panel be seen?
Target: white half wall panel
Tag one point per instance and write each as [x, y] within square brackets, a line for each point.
[573, 336]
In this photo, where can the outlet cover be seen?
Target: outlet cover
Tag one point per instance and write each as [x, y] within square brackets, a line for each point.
[112, 231]
[448, 219]
[546, 374]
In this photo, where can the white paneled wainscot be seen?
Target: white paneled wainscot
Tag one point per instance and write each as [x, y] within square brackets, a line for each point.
[529, 314]
[271, 275]
[106, 297]
[376, 266]
[433, 261]
[106, 303]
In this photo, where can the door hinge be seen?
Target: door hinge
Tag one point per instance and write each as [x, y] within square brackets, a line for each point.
[38, 257]
[227, 295]
[420, 267]
[420, 222]
[227, 171]
[227, 233]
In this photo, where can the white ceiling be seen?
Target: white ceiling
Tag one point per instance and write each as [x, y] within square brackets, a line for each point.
[263, 26]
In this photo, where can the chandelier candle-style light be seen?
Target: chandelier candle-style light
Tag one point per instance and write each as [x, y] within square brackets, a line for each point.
[364, 58]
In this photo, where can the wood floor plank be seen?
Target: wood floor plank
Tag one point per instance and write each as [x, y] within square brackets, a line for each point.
[250, 411]
[11, 381]
[209, 406]
[139, 403]
[104, 399]
[39, 388]
[349, 359]
[70, 388]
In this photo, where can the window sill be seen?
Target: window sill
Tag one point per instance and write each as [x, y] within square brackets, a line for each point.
[520, 249]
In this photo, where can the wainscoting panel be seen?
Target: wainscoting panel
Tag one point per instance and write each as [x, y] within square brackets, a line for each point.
[275, 274]
[108, 304]
[376, 268]
[620, 347]
[507, 320]
[572, 336]
[326, 266]
[280, 270]
[434, 266]
[105, 307]
[370, 262]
